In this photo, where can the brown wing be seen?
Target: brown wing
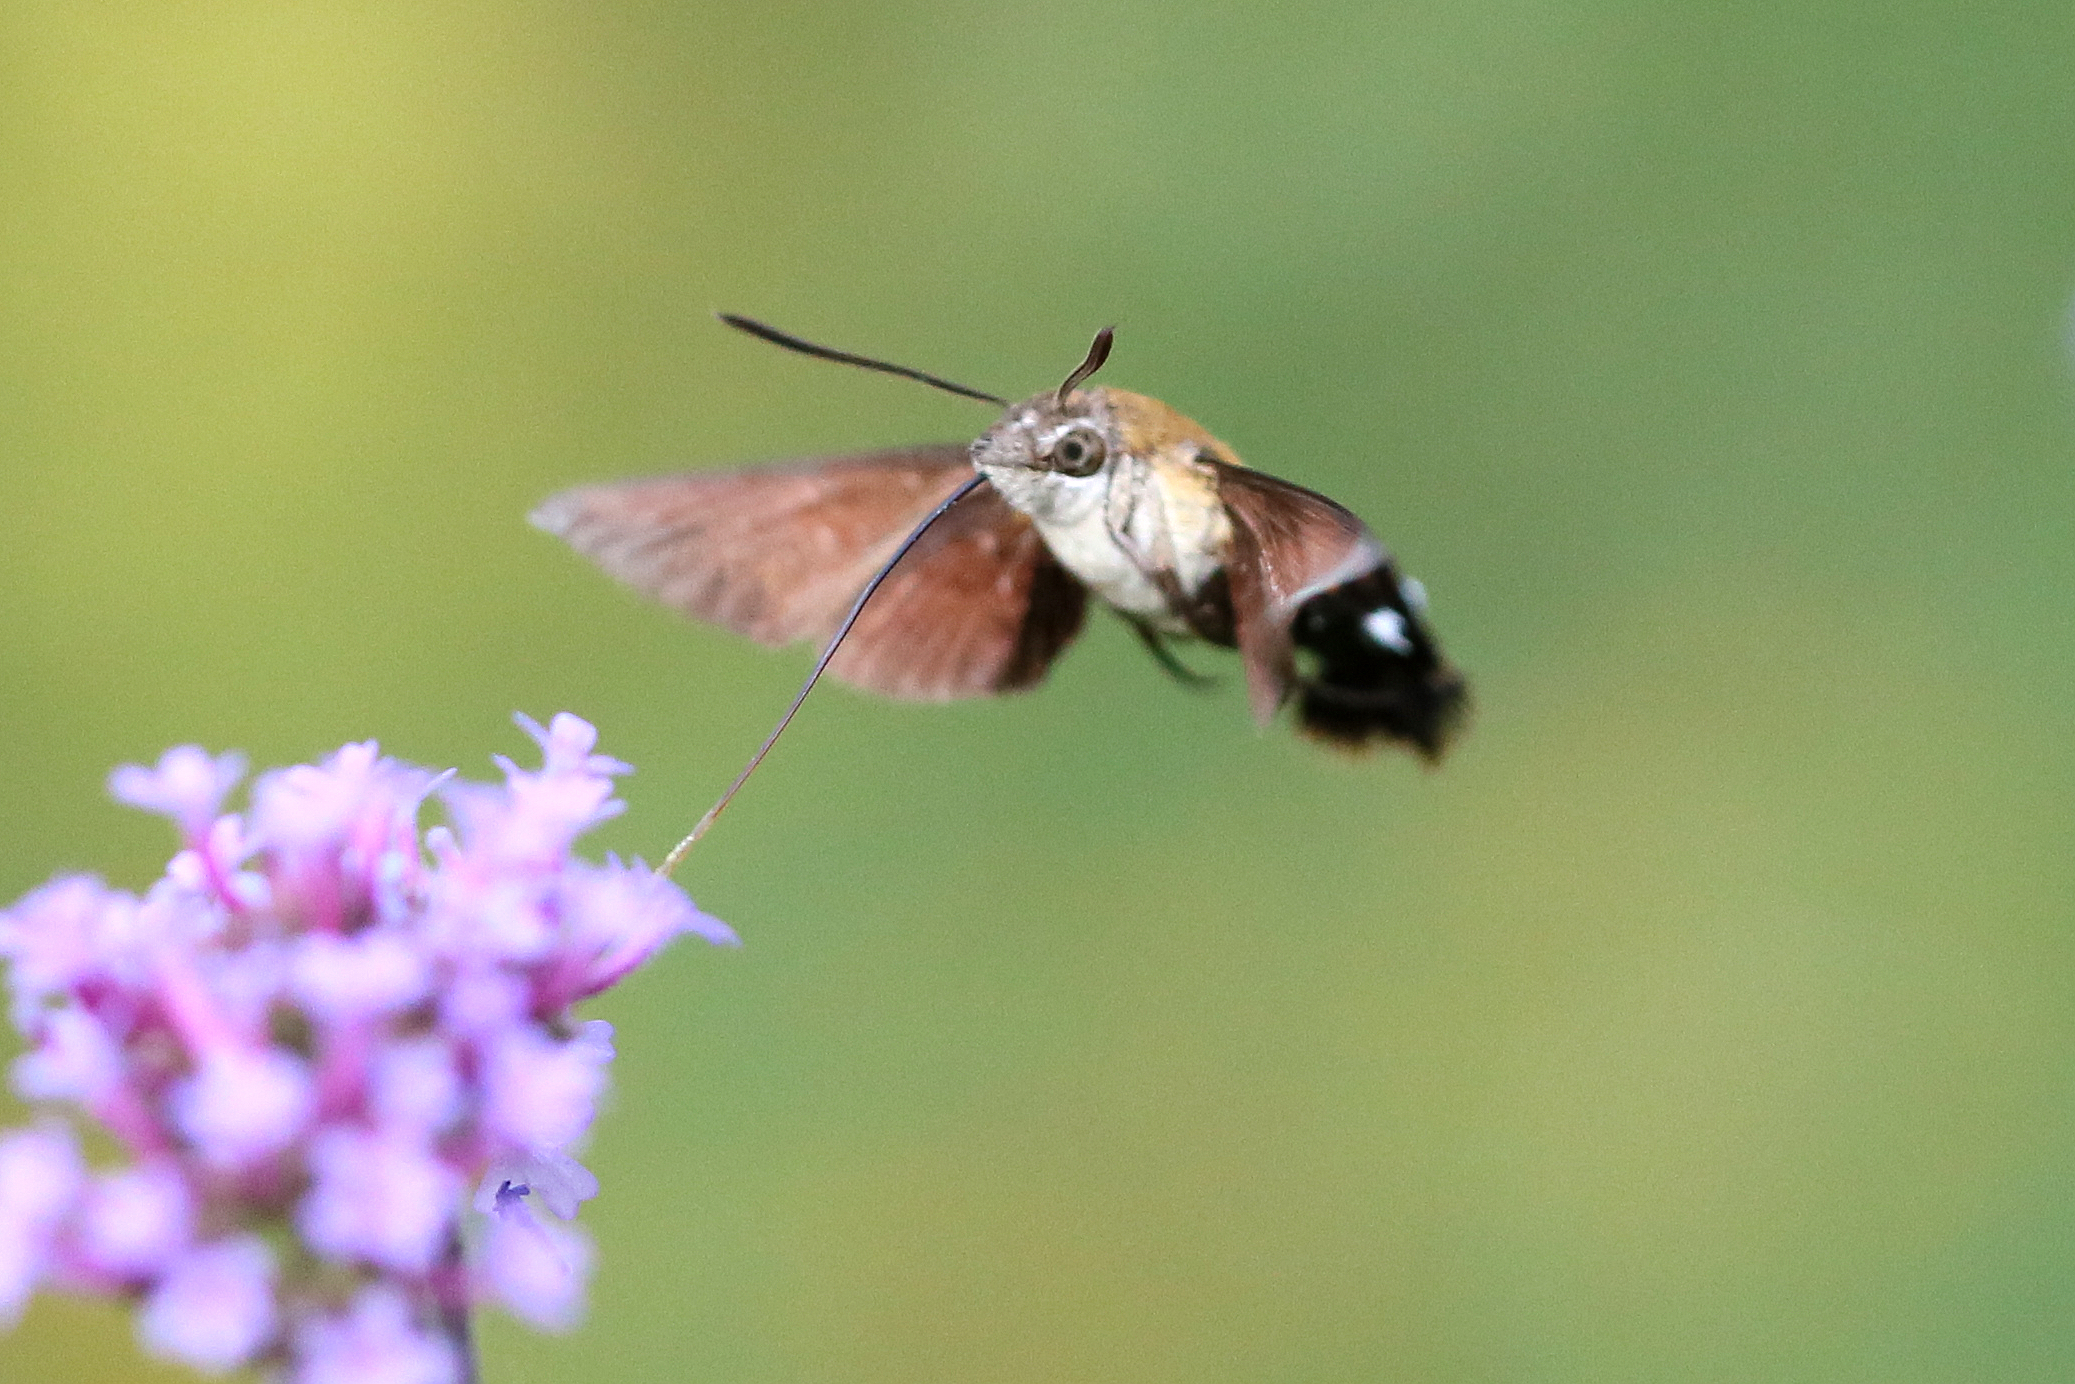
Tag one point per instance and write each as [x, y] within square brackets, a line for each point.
[980, 605]
[1288, 545]
[779, 553]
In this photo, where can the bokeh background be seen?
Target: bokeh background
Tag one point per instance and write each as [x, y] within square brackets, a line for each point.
[1709, 1016]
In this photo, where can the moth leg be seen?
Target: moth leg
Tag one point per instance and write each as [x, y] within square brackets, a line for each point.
[1156, 645]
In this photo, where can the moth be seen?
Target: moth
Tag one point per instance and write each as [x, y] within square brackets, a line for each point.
[963, 570]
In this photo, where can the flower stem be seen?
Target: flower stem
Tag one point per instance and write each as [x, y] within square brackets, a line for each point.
[451, 1278]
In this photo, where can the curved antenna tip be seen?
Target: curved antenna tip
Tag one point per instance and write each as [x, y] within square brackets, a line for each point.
[1098, 352]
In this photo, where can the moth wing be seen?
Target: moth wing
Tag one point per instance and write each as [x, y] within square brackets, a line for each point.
[1288, 545]
[779, 553]
[773, 552]
[978, 606]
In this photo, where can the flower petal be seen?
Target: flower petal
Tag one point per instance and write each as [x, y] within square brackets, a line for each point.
[243, 1105]
[381, 1197]
[376, 1342]
[538, 1270]
[40, 1178]
[541, 1094]
[214, 1309]
[134, 1221]
[188, 785]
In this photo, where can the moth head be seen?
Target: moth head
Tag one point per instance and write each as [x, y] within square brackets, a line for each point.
[1089, 433]
[1067, 432]
[1054, 454]
[1078, 439]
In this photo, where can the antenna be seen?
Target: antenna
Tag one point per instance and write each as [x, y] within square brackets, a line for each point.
[808, 348]
[857, 608]
[1098, 352]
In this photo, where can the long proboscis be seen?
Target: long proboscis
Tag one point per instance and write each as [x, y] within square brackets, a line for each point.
[765, 332]
[821, 664]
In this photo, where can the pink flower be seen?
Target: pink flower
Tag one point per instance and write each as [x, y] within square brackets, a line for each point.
[243, 984]
[415, 1086]
[316, 1033]
[75, 1059]
[482, 910]
[374, 1343]
[40, 1176]
[53, 939]
[340, 979]
[540, 1093]
[537, 815]
[242, 1105]
[565, 748]
[481, 1001]
[618, 916]
[353, 801]
[214, 1308]
[531, 820]
[382, 1197]
[187, 786]
[537, 1268]
[133, 1222]
[556, 1180]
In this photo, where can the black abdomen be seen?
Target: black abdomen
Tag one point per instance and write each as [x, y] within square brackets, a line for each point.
[1374, 671]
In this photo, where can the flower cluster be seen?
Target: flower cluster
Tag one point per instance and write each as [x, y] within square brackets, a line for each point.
[320, 1039]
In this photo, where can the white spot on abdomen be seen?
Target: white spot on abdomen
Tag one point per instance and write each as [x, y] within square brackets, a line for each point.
[1387, 628]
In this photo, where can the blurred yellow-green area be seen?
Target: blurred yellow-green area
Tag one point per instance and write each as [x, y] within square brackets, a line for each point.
[1710, 1015]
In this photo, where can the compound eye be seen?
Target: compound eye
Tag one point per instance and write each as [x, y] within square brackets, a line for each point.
[1079, 452]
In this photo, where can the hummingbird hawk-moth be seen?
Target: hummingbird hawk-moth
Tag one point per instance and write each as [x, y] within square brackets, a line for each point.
[963, 570]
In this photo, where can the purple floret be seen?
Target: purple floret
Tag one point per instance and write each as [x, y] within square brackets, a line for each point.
[325, 1026]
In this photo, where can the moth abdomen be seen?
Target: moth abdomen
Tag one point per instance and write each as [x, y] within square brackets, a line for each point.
[1375, 672]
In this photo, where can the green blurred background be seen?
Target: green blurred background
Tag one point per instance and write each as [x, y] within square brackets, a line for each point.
[1709, 1016]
